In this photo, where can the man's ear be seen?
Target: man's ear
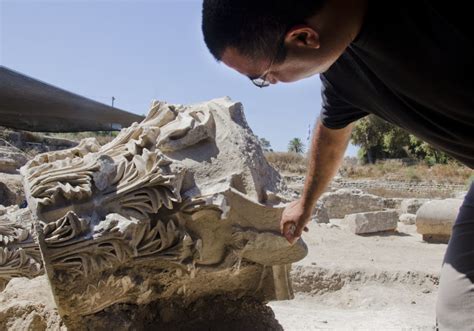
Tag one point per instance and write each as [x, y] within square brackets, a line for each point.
[302, 36]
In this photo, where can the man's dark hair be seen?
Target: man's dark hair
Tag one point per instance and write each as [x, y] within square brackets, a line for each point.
[256, 28]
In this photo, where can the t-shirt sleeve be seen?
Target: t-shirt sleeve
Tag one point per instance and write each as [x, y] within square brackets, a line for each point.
[335, 112]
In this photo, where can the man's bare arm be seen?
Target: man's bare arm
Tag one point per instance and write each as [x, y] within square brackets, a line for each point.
[327, 151]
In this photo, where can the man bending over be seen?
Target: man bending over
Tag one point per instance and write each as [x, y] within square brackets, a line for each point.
[409, 62]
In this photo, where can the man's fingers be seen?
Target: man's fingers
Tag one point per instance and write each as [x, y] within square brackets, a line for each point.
[289, 227]
[291, 238]
[291, 231]
[299, 231]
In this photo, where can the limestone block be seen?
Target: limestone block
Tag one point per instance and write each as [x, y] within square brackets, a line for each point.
[407, 218]
[371, 222]
[176, 208]
[411, 206]
[435, 219]
[349, 201]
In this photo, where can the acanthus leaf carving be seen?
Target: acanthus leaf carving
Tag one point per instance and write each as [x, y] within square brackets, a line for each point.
[19, 253]
[103, 294]
[142, 187]
[115, 241]
[67, 228]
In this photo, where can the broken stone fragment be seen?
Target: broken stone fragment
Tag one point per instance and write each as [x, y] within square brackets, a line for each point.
[435, 219]
[176, 208]
[372, 222]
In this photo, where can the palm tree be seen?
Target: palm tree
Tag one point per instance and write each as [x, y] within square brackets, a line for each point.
[296, 146]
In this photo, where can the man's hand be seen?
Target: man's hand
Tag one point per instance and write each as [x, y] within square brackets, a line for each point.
[294, 220]
[326, 154]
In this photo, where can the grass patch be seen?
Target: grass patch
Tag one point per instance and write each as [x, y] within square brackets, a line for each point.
[396, 170]
[390, 170]
[287, 162]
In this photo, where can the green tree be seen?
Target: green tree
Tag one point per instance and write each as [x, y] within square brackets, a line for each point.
[379, 139]
[296, 146]
[368, 134]
[424, 151]
[395, 142]
[266, 146]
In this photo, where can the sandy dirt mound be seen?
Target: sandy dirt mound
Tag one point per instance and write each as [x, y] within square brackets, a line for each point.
[28, 305]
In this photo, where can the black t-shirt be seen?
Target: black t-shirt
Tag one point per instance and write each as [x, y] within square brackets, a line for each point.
[412, 65]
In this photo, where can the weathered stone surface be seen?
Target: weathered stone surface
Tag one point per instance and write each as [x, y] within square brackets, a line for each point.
[407, 218]
[346, 201]
[372, 222]
[392, 203]
[320, 214]
[435, 219]
[11, 190]
[11, 159]
[411, 206]
[179, 207]
[19, 252]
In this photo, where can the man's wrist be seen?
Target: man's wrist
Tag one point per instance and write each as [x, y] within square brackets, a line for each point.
[307, 205]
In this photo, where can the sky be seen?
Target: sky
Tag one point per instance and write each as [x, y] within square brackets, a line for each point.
[137, 51]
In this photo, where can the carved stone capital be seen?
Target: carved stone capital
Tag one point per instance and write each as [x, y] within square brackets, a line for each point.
[182, 205]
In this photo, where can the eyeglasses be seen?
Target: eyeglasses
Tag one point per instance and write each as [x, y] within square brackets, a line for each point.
[262, 80]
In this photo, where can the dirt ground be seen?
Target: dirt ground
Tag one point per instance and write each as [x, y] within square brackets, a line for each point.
[381, 282]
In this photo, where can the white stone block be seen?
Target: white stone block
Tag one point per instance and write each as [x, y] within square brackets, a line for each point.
[371, 222]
